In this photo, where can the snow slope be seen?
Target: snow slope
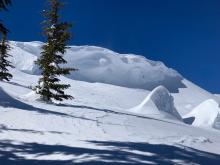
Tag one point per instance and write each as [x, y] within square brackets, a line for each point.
[97, 127]
[102, 65]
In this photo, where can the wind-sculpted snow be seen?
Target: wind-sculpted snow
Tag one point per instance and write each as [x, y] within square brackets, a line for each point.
[159, 102]
[95, 127]
[207, 115]
[97, 64]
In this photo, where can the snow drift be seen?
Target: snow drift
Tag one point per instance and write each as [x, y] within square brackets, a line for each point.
[97, 64]
[207, 115]
[158, 103]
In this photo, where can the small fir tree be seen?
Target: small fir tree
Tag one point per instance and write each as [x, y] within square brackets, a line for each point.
[4, 63]
[4, 46]
[57, 35]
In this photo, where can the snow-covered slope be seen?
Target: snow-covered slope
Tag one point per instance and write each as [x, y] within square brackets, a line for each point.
[98, 126]
[97, 64]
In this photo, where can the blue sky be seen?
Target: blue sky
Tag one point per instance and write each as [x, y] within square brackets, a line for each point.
[184, 34]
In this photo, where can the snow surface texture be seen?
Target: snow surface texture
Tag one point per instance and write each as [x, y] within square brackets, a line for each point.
[98, 126]
[158, 102]
[102, 65]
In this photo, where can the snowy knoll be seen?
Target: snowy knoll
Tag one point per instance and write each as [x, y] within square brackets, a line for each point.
[206, 114]
[158, 103]
[96, 127]
[102, 65]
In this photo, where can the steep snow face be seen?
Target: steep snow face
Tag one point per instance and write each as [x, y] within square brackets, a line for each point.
[160, 103]
[205, 115]
[97, 64]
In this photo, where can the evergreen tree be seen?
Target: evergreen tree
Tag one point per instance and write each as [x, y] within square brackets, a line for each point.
[4, 47]
[4, 63]
[57, 35]
[3, 6]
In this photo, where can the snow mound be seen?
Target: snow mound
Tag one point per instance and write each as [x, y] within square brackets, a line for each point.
[206, 114]
[30, 97]
[158, 103]
[97, 64]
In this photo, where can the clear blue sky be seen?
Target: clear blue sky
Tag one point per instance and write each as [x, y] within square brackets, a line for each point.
[184, 34]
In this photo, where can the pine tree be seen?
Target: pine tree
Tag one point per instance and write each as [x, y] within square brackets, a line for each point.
[3, 6]
[4, 47]
[57, 35]
[4, 63]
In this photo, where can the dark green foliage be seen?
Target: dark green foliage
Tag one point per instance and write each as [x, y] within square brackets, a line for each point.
[3, 29]
[57, 34]
[4, 63]
[4, 4]
[4, 47]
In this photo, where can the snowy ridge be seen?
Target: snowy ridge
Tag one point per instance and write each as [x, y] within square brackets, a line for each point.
[158, 103]
[102, 65]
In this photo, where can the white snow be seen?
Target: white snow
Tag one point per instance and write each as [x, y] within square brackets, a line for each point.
[120, 114]
[205, 115]
[102, 65]
[158, 103]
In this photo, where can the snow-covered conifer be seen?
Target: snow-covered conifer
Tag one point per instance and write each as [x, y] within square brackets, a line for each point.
[57, 34]
[4, 63]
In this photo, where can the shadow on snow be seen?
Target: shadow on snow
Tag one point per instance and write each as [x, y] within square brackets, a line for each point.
[115, 153]
[7, 101]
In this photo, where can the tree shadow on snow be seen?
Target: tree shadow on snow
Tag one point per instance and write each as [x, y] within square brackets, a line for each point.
[114, 153]
[4, 128]
[7, 101]
[16, 84]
